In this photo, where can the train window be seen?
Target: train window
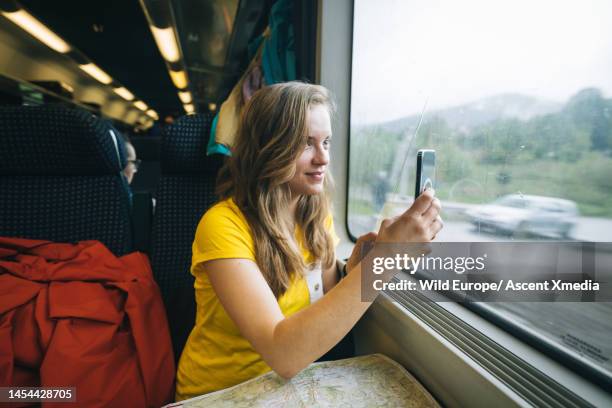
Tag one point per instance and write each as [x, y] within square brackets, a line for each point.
[516, 99]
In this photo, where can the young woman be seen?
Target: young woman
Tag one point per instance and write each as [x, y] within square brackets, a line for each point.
[273, 226]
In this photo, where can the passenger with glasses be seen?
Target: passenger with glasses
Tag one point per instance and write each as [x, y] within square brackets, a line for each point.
[132, 162]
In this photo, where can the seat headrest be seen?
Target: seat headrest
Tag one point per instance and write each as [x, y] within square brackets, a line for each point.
[55, 140]
[183, 149]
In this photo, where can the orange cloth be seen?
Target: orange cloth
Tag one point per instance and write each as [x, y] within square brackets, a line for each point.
[74, 315]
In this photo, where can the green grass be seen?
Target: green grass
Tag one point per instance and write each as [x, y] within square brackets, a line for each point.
[587, 182]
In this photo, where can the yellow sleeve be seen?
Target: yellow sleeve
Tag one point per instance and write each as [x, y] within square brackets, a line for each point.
[221, 234]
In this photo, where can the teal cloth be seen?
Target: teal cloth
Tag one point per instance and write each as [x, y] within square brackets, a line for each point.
[277, 60]
[214, 147]
[278, 57]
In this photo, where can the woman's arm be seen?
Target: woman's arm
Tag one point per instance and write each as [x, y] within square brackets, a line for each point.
[289, 344]
[286, 344]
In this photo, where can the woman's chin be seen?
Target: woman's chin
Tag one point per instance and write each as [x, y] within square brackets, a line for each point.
[311, 190]
[315, 189]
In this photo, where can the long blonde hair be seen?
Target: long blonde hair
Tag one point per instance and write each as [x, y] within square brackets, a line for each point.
[272, 134]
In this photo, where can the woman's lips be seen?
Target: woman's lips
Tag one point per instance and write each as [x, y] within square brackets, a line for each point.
[316, 175]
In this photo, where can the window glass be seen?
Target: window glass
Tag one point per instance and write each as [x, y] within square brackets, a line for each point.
[516, 99]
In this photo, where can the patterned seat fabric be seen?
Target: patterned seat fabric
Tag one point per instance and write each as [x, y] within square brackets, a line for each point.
[184, 193]
[60, 177]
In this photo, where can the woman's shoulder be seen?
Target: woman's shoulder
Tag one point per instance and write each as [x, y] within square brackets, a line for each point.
[223, 232]
[223, 219]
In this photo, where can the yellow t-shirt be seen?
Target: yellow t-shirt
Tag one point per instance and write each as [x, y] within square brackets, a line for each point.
[216, 355]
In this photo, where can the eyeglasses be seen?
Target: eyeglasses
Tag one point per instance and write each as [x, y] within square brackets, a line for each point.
[136, 163]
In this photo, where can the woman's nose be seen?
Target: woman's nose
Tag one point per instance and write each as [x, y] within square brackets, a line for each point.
[321, 156]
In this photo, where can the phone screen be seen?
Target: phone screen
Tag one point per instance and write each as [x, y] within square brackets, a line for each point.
[426, 171]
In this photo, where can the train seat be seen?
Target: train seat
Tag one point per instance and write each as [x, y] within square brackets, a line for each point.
[60, 177]
[184, 193]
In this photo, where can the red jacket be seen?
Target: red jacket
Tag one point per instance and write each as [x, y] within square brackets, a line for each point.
[74, 315]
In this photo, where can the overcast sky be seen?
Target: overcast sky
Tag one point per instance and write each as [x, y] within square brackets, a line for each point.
[452, 52]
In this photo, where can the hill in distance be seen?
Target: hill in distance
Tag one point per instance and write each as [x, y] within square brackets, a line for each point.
[489, 109]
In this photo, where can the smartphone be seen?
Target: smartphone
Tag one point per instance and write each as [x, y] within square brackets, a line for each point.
[426, 171]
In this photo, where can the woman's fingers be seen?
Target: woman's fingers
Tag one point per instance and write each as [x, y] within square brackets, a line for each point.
[419, 223]
[357, 254]
[438, 219]
[433, 211]
[421, 204]
[370, 236]
[436, 226]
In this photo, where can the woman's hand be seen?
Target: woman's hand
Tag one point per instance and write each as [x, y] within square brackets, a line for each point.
[420, 223]
[357, 254]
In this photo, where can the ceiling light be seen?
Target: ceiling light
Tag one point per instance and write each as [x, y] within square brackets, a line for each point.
[124, 93]
[179, 78]
[141, 105]
[97, 73]
[152, 114]
[66, 87]
[185, 97]
[212, 106]
[37, 29]
[189, 108]
[166, 42]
